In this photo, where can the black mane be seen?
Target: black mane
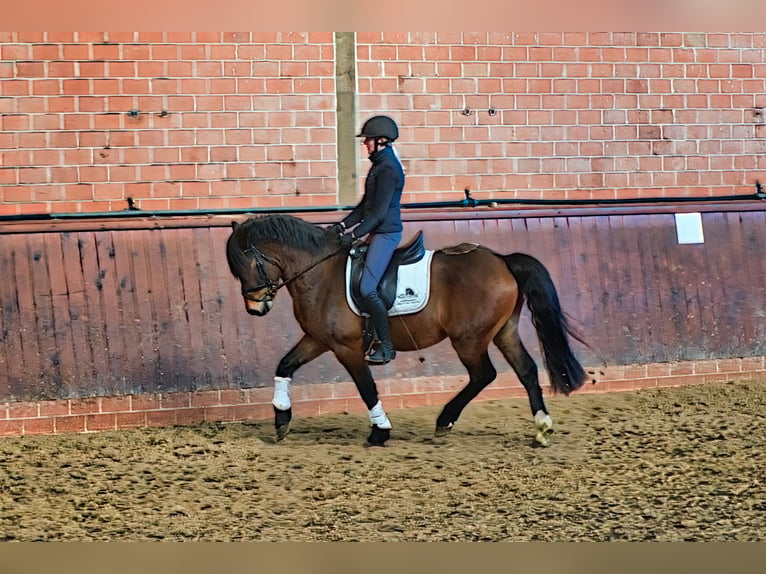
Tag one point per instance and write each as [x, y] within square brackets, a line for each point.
[286, 229]
[274, 228]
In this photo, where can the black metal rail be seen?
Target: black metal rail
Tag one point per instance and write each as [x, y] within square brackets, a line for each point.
[467, 202]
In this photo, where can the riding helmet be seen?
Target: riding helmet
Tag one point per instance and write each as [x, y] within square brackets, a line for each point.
[379, 127]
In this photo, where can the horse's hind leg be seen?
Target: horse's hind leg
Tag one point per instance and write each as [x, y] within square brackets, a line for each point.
[481, 372]
[509, 343]
[306, 350]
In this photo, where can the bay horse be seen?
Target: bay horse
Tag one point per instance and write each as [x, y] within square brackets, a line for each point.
[476, 299]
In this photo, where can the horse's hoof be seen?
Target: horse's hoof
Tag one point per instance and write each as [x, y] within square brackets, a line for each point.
[542, 439]
[542, 435]
[282, 422]
[378, 436]
[544, 426]
[282, 431]
[443, 430]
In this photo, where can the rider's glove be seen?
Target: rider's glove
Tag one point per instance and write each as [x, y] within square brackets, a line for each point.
[347, 240]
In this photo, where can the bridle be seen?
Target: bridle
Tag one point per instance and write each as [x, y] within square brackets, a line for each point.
[265, 281]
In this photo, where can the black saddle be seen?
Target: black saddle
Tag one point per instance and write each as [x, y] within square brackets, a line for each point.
[411, 252]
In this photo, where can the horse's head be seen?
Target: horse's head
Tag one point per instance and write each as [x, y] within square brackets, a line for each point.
[271, 251]
[257, 272]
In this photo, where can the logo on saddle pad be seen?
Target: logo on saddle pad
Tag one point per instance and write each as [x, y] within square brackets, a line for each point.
[406, 283]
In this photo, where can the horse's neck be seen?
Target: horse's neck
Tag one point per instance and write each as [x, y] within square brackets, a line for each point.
[294, 260]
[318, 285]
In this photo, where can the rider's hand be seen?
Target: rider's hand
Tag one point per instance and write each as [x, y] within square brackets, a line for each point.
[337, 228]
[347, 240]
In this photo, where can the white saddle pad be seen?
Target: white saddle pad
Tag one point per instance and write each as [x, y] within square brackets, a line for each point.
[413, 286]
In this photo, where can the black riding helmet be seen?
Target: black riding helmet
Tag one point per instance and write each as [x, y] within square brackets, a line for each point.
[379, 127]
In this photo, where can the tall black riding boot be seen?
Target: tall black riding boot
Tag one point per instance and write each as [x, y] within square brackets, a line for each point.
[377, 309]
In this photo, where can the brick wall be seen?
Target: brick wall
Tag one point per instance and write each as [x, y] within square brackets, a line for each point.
[223, 120]
[572, 115]
[186, 408]
[248, 119]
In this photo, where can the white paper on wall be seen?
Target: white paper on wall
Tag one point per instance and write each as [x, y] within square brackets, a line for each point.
[689, 228]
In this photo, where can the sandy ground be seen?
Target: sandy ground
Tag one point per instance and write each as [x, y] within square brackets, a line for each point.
[664, 464]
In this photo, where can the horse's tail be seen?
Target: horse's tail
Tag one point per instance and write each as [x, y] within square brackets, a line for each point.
[535, 284]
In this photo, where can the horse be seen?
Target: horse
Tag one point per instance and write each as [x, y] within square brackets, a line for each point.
[476, 299]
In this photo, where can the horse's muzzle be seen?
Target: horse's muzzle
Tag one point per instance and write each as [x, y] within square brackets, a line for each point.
[258, 308]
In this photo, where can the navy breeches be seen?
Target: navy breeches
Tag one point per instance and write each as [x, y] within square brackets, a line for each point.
[382, 246]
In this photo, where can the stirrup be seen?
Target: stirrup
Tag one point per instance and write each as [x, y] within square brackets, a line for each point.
[379, 357]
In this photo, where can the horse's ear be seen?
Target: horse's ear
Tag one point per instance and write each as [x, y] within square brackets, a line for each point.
[234, 225]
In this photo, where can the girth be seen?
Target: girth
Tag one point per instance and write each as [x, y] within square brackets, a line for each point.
[411, 252]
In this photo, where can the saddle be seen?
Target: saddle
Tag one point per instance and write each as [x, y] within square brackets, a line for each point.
[411, 252]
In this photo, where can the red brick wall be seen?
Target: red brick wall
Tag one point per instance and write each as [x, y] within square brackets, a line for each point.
[231, 405]
[576, 115]
[250, 120]
[251, 116]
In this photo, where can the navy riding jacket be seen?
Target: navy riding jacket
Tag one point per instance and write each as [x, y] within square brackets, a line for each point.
[379, 211]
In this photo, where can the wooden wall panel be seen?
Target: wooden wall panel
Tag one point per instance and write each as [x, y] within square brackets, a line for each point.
[130, 310]
[210, 311]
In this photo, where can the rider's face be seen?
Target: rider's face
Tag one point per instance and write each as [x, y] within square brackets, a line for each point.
[369, 143]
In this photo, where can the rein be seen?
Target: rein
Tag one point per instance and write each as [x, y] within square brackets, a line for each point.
[271, 286]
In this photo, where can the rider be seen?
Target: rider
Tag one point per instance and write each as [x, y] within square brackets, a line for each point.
[379, 215]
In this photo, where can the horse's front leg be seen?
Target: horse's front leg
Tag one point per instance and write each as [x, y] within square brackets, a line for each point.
[352, 358]
[306, 350]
